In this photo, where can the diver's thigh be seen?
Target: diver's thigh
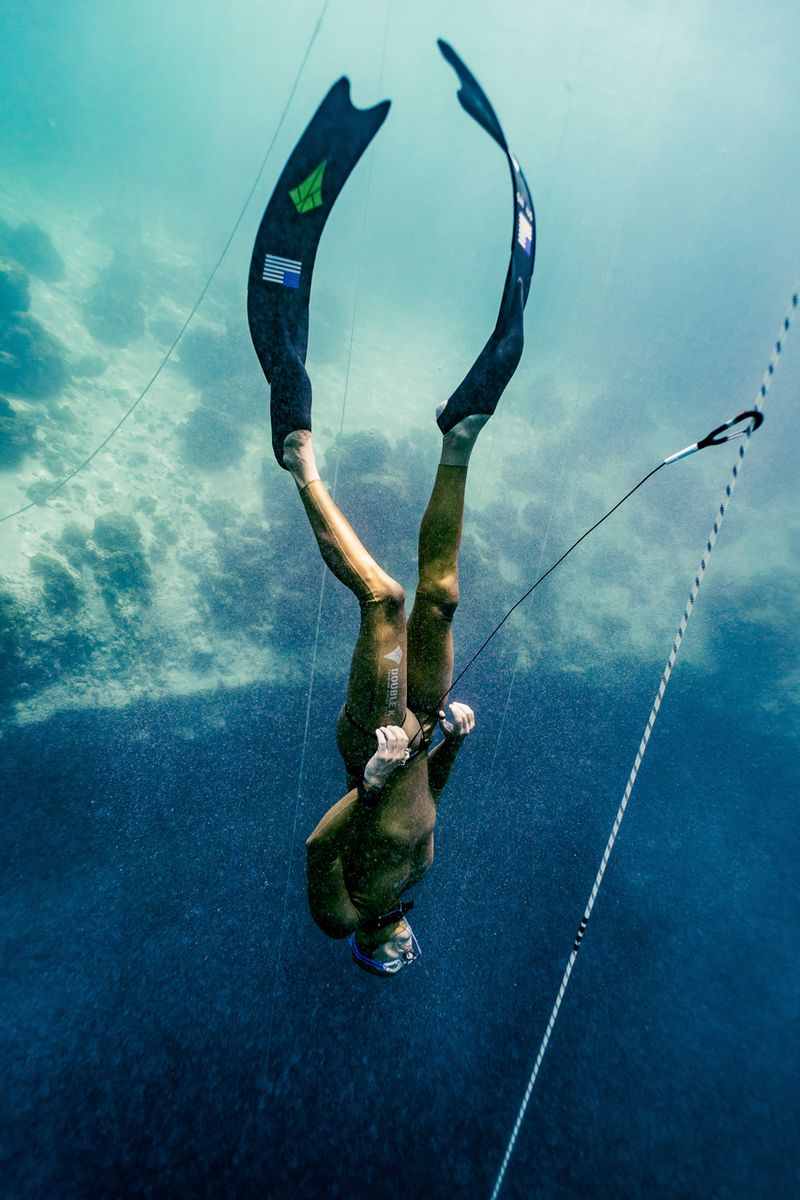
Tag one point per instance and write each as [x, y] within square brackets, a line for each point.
[376, 689]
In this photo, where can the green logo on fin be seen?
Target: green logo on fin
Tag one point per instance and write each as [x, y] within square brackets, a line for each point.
[308, 194]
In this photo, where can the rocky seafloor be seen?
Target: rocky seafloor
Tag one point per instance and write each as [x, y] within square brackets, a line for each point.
[177, 560]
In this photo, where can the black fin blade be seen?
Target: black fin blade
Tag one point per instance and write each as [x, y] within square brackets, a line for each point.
[472, 96]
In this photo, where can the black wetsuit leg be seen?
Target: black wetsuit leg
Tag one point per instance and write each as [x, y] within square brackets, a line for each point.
[279, 285]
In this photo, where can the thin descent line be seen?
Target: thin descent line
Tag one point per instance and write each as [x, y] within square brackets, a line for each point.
[314, 651]
[676, 645]
[63, 482]
[542, 578]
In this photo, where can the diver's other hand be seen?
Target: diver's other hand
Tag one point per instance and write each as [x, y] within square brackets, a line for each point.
[392, 753]
[461, 723]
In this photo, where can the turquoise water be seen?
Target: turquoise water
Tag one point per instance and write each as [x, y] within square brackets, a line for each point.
[173, 1022]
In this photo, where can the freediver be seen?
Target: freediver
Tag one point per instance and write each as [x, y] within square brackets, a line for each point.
[376, 842]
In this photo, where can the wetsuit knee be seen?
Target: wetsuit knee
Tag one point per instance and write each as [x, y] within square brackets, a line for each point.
[388, 593]
[441, 596]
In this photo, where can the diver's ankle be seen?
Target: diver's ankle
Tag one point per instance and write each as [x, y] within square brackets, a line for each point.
[458, 443]
[298, 457]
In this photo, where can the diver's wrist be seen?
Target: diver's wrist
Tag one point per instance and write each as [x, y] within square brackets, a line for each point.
[373, 779]
[367, 790]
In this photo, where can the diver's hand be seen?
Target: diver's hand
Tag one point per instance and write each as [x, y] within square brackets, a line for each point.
[392, 753]
[461, 723]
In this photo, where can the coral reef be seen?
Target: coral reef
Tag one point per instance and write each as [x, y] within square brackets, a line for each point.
[89, 366]
[15, 290]
[119, 562]
[211, 439]
[112, 308]
[32, 246]
[32, 361]
[36, 648]
[13, 636]
[223, 367]
[115, 554]
[17, 434]
[61, 588]
[207, 356]
[238, 595]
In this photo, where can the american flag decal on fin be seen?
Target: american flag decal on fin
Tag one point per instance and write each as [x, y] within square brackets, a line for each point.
[285, 271]
[524, 232]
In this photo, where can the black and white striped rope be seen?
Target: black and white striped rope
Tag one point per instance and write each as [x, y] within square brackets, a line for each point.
[662, 687]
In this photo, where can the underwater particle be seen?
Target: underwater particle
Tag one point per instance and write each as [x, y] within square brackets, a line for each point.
[15, 289]
[61, 590]
[32, 361]
[33, 247]
[112, 308]
[211, 439]
[17, 434]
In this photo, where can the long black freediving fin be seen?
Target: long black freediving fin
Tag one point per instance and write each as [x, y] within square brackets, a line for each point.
[279, 284]
[484, 383]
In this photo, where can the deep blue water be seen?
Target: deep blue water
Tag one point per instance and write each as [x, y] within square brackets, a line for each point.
[176, 1025]
[172, 1023]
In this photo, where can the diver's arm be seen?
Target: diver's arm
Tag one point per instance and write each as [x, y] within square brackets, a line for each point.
[442, 757]
[324, 844]
[328, 898]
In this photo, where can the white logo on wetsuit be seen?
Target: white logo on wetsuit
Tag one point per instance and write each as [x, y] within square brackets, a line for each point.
[395, 655]
[393, 688]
